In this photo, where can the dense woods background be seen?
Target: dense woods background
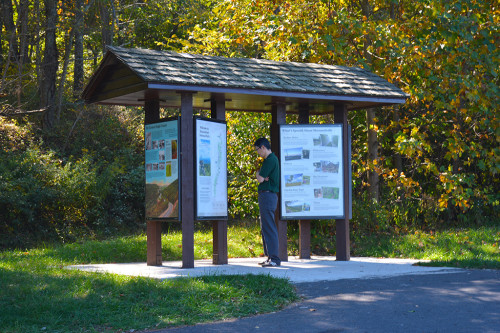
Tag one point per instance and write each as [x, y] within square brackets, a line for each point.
[69, 170]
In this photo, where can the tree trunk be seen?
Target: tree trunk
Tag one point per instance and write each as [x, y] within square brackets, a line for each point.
[373, 177]
[67, 52]
[23, 32]
[372, 153]
[37, 46]
[107, 24]
[10, 27]
[78, 67]
[398, 160]
[49, 66]
[365, 7]
[1, 35]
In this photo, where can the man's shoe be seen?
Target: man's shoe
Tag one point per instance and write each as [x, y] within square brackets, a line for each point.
[270, 263]
[264, 262]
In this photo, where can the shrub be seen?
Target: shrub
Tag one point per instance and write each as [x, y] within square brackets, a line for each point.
[47, 196]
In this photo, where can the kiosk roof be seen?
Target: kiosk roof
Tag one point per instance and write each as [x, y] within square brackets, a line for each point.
[126, 76]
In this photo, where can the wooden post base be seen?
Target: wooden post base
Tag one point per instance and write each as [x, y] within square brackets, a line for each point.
[219, 256]
[153, 232]
[305, 239]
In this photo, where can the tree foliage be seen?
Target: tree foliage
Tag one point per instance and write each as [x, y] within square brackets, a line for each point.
[437, 156]
[243, 162]
[444, 54]
[95, 190]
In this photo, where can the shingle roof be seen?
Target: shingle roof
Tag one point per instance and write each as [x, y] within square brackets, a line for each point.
[132, 76]
[254, 74]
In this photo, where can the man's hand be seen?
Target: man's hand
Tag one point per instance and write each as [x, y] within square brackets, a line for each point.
[260, 179]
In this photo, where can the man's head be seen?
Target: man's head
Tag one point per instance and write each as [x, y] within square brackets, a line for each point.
[262, 142]
[262, 147]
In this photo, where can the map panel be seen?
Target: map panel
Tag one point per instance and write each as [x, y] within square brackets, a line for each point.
[162, 170]
[211, 169]
[311, 164]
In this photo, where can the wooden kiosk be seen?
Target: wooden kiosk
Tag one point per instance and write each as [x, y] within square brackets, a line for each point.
[160, 79]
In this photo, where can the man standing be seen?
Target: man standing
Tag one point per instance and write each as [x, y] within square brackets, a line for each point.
[268, 177]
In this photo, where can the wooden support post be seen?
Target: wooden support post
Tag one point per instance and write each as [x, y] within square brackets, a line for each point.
[279, 118]
[187, 179]
[151, 110]
[219, 257]
[342, 227]
[153, 234]
[218, 107]
[153, 228]
[304, 239]
[304, 225]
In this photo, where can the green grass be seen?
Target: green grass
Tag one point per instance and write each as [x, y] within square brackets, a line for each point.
[243, 241]
[38, 294]
[465, 248]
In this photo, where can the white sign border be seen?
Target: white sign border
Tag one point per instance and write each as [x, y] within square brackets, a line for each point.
[297, 176]
[204, 215]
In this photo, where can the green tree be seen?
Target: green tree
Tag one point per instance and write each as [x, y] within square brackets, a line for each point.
[444, 54]
[437, 156]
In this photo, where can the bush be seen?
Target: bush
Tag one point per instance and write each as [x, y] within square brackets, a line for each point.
[47, 196]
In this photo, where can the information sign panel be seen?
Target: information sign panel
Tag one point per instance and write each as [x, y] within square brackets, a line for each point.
[211, 169]
[162, 169]
[312, 185]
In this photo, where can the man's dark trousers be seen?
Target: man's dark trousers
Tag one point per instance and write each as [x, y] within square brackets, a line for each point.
[268, 201]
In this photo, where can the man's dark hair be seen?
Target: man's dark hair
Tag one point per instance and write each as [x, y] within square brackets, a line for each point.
[262, 142]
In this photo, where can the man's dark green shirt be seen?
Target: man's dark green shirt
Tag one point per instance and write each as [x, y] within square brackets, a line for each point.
[270, 168]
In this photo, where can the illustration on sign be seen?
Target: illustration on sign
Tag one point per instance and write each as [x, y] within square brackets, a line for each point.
[311, 169]
[162, 170]
[211, 169]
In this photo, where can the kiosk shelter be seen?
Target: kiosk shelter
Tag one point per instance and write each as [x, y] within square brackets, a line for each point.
[161, 79]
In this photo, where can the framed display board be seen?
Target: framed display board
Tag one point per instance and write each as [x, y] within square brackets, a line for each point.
[162, 169]
[211, 169]
[312, 182]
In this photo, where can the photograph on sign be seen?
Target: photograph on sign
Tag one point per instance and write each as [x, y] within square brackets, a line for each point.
[162, 169]
[311, 171]
[211, 169]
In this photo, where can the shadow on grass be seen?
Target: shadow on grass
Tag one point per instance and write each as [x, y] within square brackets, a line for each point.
[463, 263]
[57, 299]
[70, 301]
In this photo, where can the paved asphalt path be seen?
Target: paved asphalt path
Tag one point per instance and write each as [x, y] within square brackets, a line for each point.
[457, 301]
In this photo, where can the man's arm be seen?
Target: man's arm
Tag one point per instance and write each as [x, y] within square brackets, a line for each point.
[260, 179]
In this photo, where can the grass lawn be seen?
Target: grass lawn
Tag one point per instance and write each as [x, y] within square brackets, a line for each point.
[38, 295]
[464, 248]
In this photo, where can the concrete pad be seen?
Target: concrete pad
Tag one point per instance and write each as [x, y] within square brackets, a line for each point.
[318, 268]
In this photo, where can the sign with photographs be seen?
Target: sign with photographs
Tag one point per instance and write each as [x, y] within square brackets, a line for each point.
[162, 169]
[211, 169]
[311, 164]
